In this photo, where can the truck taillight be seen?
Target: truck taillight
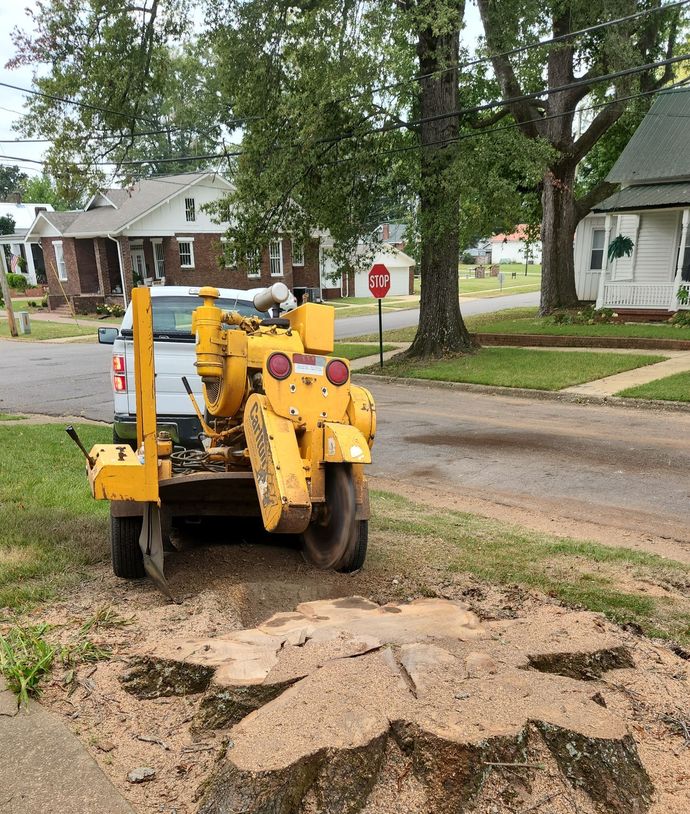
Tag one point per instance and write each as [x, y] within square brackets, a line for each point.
[119, 373]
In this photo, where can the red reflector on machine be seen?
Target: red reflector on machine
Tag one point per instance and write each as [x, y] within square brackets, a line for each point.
[337, 372]
[279, 366]
[119, 383]
[118, 363]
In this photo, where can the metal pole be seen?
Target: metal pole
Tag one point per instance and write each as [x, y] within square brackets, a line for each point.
[380, 335]
[8, 302]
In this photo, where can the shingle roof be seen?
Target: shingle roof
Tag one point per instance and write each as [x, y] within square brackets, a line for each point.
[646, 196]
[659, 147]
[130, 204]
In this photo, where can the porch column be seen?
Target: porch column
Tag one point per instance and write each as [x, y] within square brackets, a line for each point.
[678, 279]
[30, 268]
[605, 264]
[102, 266]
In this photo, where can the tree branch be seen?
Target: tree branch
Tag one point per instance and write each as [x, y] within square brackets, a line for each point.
[525, 112]
[607, 117]
[602, 190]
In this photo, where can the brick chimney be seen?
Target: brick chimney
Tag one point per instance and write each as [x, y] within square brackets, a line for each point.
[385, 231]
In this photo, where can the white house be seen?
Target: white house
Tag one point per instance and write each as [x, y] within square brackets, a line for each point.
[356, 282]
[23, 215]
[652, 208]
[514, 248]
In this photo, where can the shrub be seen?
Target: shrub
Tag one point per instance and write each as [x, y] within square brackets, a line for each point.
[17, 281]
[681, 319]
[467, 259]
[114, 310]
[44, 302]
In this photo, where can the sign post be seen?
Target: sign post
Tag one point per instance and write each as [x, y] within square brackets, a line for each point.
[379, 285]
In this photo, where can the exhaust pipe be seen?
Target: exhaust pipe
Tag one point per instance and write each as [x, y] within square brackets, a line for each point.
[266, 299]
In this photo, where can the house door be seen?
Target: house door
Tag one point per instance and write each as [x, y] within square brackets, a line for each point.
[138, 265]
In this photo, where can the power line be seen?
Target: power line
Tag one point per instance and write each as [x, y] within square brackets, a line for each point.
[520, 49]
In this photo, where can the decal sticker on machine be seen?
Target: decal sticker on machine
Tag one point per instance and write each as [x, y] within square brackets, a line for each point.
[331, 446]
[264, 475]
[307, 363]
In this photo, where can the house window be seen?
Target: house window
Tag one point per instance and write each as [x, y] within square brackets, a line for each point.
[186, 245]
[596, 260]
[60, 260]
[189, 210]
[253, 263]
[159, 259]
[229, 255]
[275, 256]
[298, 254]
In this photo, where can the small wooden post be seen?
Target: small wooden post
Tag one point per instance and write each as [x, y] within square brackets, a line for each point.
[6, 296]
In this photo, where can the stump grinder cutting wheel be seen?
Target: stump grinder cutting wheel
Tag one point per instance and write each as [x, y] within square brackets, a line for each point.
[286, 436]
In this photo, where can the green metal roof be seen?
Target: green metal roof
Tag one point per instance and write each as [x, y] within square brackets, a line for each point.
[660, 147]
[646, 196]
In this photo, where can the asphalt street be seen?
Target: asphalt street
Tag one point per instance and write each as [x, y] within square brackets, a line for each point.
[359, 326]
[564, 457]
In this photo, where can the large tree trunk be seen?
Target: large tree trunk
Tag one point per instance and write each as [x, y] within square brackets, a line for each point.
[558, 231]
[441, 327]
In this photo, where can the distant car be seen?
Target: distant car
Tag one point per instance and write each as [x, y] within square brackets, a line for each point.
[174, 355]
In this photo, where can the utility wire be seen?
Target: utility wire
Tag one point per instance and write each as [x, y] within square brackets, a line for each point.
[470, 63]
[520, 49]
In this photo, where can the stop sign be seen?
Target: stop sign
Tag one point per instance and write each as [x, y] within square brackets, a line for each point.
[379, 281]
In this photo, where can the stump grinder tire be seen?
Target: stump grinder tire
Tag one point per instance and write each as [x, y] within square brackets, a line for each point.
[356, 553]
[128, 561]
[328, 539]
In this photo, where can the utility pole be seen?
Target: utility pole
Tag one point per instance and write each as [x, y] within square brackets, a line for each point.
[6, 296]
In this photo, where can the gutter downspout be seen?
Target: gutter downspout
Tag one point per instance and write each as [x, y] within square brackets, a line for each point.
[122, 271]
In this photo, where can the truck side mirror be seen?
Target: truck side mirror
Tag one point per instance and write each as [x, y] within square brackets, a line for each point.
[107, 336]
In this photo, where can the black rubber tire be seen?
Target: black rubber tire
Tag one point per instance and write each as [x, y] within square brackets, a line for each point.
[128, 561]
[354, 557]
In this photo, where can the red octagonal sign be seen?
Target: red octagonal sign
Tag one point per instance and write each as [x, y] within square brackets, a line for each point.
[379, 281]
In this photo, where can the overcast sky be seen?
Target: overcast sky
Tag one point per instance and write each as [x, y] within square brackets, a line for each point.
[13, 14]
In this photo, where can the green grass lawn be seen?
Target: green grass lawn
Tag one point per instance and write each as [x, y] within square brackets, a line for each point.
[526, 321]
[49, 330]
[521, 367]
[351, 351]
[577, 572]
[671, 388]
[8, 417]
[50, 526]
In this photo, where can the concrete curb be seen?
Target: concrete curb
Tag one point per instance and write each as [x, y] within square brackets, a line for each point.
[537, 395]
[553, 341]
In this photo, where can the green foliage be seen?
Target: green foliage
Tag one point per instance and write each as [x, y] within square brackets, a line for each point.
[113, 310]
[587, 316]
[43, 189]
[681, 319]
[25, 658]
[11, 180]
[620, 246]
[17, 281]
[7, 225]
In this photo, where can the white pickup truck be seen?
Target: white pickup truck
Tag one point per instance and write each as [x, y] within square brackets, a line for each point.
[174, 355]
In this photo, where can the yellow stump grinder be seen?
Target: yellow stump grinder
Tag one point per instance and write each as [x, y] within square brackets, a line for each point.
[285, 437]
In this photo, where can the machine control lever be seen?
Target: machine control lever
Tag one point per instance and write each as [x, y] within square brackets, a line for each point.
[73, 435]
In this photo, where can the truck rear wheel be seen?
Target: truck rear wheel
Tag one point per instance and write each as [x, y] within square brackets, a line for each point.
[356, 553]
[128, 561]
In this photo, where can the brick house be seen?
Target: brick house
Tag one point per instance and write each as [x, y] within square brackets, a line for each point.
[157, 232]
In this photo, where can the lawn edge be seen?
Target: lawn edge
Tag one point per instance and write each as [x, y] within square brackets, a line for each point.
[538, 395]
[567, 341]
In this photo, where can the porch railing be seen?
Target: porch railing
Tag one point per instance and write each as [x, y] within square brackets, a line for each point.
[639, 295]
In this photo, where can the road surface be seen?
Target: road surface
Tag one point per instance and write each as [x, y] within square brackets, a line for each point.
[359, 326]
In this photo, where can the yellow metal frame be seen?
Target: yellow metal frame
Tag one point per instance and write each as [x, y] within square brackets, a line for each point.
[118, 473]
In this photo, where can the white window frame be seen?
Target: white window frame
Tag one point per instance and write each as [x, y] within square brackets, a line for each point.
[61, 267]
[297, 256]
[275, 255]
[253, 261]
[180, 241]
[158, 262]
[593, 249]
[190, 210]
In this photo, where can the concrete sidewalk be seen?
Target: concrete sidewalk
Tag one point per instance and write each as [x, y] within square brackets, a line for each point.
[45, 769]
[610, 385]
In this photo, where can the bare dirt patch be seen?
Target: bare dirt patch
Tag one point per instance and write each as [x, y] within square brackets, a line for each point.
[643, 686]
